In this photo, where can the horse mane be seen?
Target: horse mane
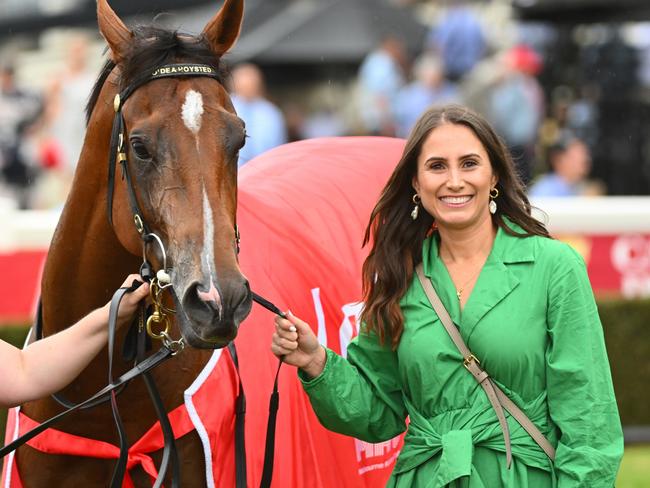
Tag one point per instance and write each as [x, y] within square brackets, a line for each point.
[153, 47]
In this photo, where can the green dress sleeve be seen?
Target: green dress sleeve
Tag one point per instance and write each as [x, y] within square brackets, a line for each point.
[359, 396]
[579, 385]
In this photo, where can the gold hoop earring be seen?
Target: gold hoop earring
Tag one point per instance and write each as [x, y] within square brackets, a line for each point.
[492, 206]
[416, 210]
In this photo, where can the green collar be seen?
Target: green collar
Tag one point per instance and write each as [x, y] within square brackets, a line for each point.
[495, 281]
[506, 248]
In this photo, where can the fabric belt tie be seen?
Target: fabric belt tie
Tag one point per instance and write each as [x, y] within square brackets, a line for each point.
[54, 441]
[456, 458]
[432, 437]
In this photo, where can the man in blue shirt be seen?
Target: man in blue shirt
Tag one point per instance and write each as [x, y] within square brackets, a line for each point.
[459, 38]
[265, 125]
[380, 78]
[570, 164]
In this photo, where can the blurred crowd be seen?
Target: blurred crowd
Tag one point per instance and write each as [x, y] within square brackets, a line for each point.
[455, 64]
[41, 134]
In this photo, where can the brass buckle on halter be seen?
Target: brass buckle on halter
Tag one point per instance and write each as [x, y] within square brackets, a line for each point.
[139, 226]
[158, 318]
[160, 315]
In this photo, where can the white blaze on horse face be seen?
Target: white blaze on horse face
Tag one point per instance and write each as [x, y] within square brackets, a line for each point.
[207, 254]
[192, 111]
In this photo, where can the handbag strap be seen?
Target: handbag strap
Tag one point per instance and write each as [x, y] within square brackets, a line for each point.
[497, 397]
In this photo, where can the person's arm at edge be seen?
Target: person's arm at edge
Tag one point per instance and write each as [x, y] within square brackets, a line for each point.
[48, 365]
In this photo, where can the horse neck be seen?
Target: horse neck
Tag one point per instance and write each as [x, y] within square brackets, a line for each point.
[86, 262]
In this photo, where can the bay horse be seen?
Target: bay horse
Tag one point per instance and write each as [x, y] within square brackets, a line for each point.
[182, 139]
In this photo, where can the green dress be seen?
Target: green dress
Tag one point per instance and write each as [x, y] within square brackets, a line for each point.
[532, 322]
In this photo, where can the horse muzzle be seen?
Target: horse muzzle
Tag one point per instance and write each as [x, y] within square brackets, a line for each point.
[210, 314]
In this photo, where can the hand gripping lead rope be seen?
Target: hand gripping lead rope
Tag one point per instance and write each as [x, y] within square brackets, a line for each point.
[144, 367]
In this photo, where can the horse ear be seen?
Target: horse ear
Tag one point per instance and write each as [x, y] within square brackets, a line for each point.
[117, 35]
[223, 29]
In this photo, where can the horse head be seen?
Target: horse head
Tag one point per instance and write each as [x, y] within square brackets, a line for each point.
[181, 142]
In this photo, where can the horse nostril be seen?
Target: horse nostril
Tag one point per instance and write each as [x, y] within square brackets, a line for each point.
[210, 297]
[233, 302]
[202, 305]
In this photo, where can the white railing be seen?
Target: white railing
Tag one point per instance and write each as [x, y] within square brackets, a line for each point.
[595, 215]
[27, 229]
[32, 229]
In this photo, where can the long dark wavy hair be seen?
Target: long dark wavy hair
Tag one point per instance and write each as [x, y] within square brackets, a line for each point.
[397, 240]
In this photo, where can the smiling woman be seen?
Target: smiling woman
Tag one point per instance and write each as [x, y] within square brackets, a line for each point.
[520, 302]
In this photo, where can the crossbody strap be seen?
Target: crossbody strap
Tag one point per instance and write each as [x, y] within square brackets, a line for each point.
[497, 397]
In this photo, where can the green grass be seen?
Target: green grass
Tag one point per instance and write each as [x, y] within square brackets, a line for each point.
[635, 468]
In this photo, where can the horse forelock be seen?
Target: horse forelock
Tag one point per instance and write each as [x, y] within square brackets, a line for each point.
[153, 47]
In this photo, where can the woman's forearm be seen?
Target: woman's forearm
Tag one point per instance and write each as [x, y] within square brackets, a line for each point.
[46, 366]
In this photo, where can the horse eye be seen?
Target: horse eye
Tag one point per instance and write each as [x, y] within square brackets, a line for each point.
[140, 149]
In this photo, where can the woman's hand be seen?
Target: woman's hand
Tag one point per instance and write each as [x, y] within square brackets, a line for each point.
[295, 343]
[130, 301]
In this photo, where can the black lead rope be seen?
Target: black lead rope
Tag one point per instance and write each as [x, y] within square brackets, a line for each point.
[269, 448]
[142, 368]
[58, 397]
[120, 467]
[151, 362]
[170, 454]
[240, 425]
[274, 405]
[240, 415]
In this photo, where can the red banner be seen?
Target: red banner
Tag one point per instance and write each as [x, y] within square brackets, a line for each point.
[617, 264]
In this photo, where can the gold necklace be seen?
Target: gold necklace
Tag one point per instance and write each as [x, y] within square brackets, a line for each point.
[459, 291]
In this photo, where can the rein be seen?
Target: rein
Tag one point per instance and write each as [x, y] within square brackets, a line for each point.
[159, 319]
